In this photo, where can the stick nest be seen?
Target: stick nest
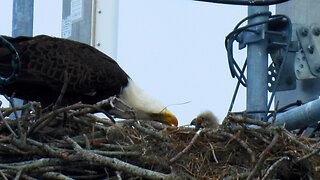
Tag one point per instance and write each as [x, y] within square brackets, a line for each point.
[72, 143]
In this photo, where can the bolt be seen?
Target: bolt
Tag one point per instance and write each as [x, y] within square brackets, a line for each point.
[304, 31]
[310, 49]
[99, 11]
[98, 44]
[316, 31]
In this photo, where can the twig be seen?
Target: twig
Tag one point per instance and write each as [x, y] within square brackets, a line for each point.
[55, 175]
[54, 152]
[121, 108]
[263, 156]
[117, 153]
[243, 144]
[294, 140]
[63, 90]
[10, 148]
[11, 101]
[213, 153]
[3, 175]
[95, 119]
[44, 119]
[28, 165]
[7, 125]
[187, 148]
[259, 135]
[18, 174]
[32, 105]
[248, 121]
[117, 164]
[314, 152]
[87, 142]
[118, 175]
[274, 166]
[98, 107]
[238, 176]
[114, 100]
[94, 125]
[117, 147]
[151, 132]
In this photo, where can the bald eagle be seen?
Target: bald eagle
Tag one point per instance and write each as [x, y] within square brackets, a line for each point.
[92, 76]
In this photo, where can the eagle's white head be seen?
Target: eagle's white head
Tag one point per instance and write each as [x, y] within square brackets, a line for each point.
[146, 106]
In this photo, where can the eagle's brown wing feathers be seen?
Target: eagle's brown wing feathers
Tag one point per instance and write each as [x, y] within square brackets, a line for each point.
[93, 76]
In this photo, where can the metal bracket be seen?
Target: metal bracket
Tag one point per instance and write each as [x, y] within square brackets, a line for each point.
[309, 39]
[301, 67]
[287, 80]
[251, 35]
[278, 37]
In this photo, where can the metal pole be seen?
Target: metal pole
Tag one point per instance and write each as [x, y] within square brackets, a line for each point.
[257, 82]
[22, 18]
[104, 34]
[299, 117]
[22, 25]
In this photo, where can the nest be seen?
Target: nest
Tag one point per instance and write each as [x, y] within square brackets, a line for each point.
[71, 143]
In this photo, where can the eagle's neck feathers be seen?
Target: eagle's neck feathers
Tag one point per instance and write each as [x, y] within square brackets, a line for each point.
[139, 99]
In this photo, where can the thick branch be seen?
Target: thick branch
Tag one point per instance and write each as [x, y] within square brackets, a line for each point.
[118, 164]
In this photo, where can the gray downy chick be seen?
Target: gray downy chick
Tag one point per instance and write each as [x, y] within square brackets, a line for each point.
[205, 119]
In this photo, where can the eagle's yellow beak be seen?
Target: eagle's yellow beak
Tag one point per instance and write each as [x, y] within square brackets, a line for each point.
[169, 118]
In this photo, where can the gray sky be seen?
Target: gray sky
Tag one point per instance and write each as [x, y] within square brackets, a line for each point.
[173, 49]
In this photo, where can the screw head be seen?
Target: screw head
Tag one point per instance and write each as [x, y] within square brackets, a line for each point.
[316, 31]
[310, 48]
[304, 31]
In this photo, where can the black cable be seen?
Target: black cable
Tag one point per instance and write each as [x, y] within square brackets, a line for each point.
[234, 67]
[250, 17]
[284, 108]
[246, 2]
[237, 87]
[232, 36]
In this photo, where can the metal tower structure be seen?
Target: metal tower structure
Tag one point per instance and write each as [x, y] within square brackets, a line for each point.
[292, 39]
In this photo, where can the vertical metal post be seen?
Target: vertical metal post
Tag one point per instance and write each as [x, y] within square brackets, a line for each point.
[22, 25]
[257, 72]
[22, 18]
[104, 33]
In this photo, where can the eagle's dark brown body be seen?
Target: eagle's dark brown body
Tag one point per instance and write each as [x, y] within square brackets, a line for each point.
[92, 75]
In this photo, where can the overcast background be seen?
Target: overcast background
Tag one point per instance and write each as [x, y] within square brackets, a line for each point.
[173, 49]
